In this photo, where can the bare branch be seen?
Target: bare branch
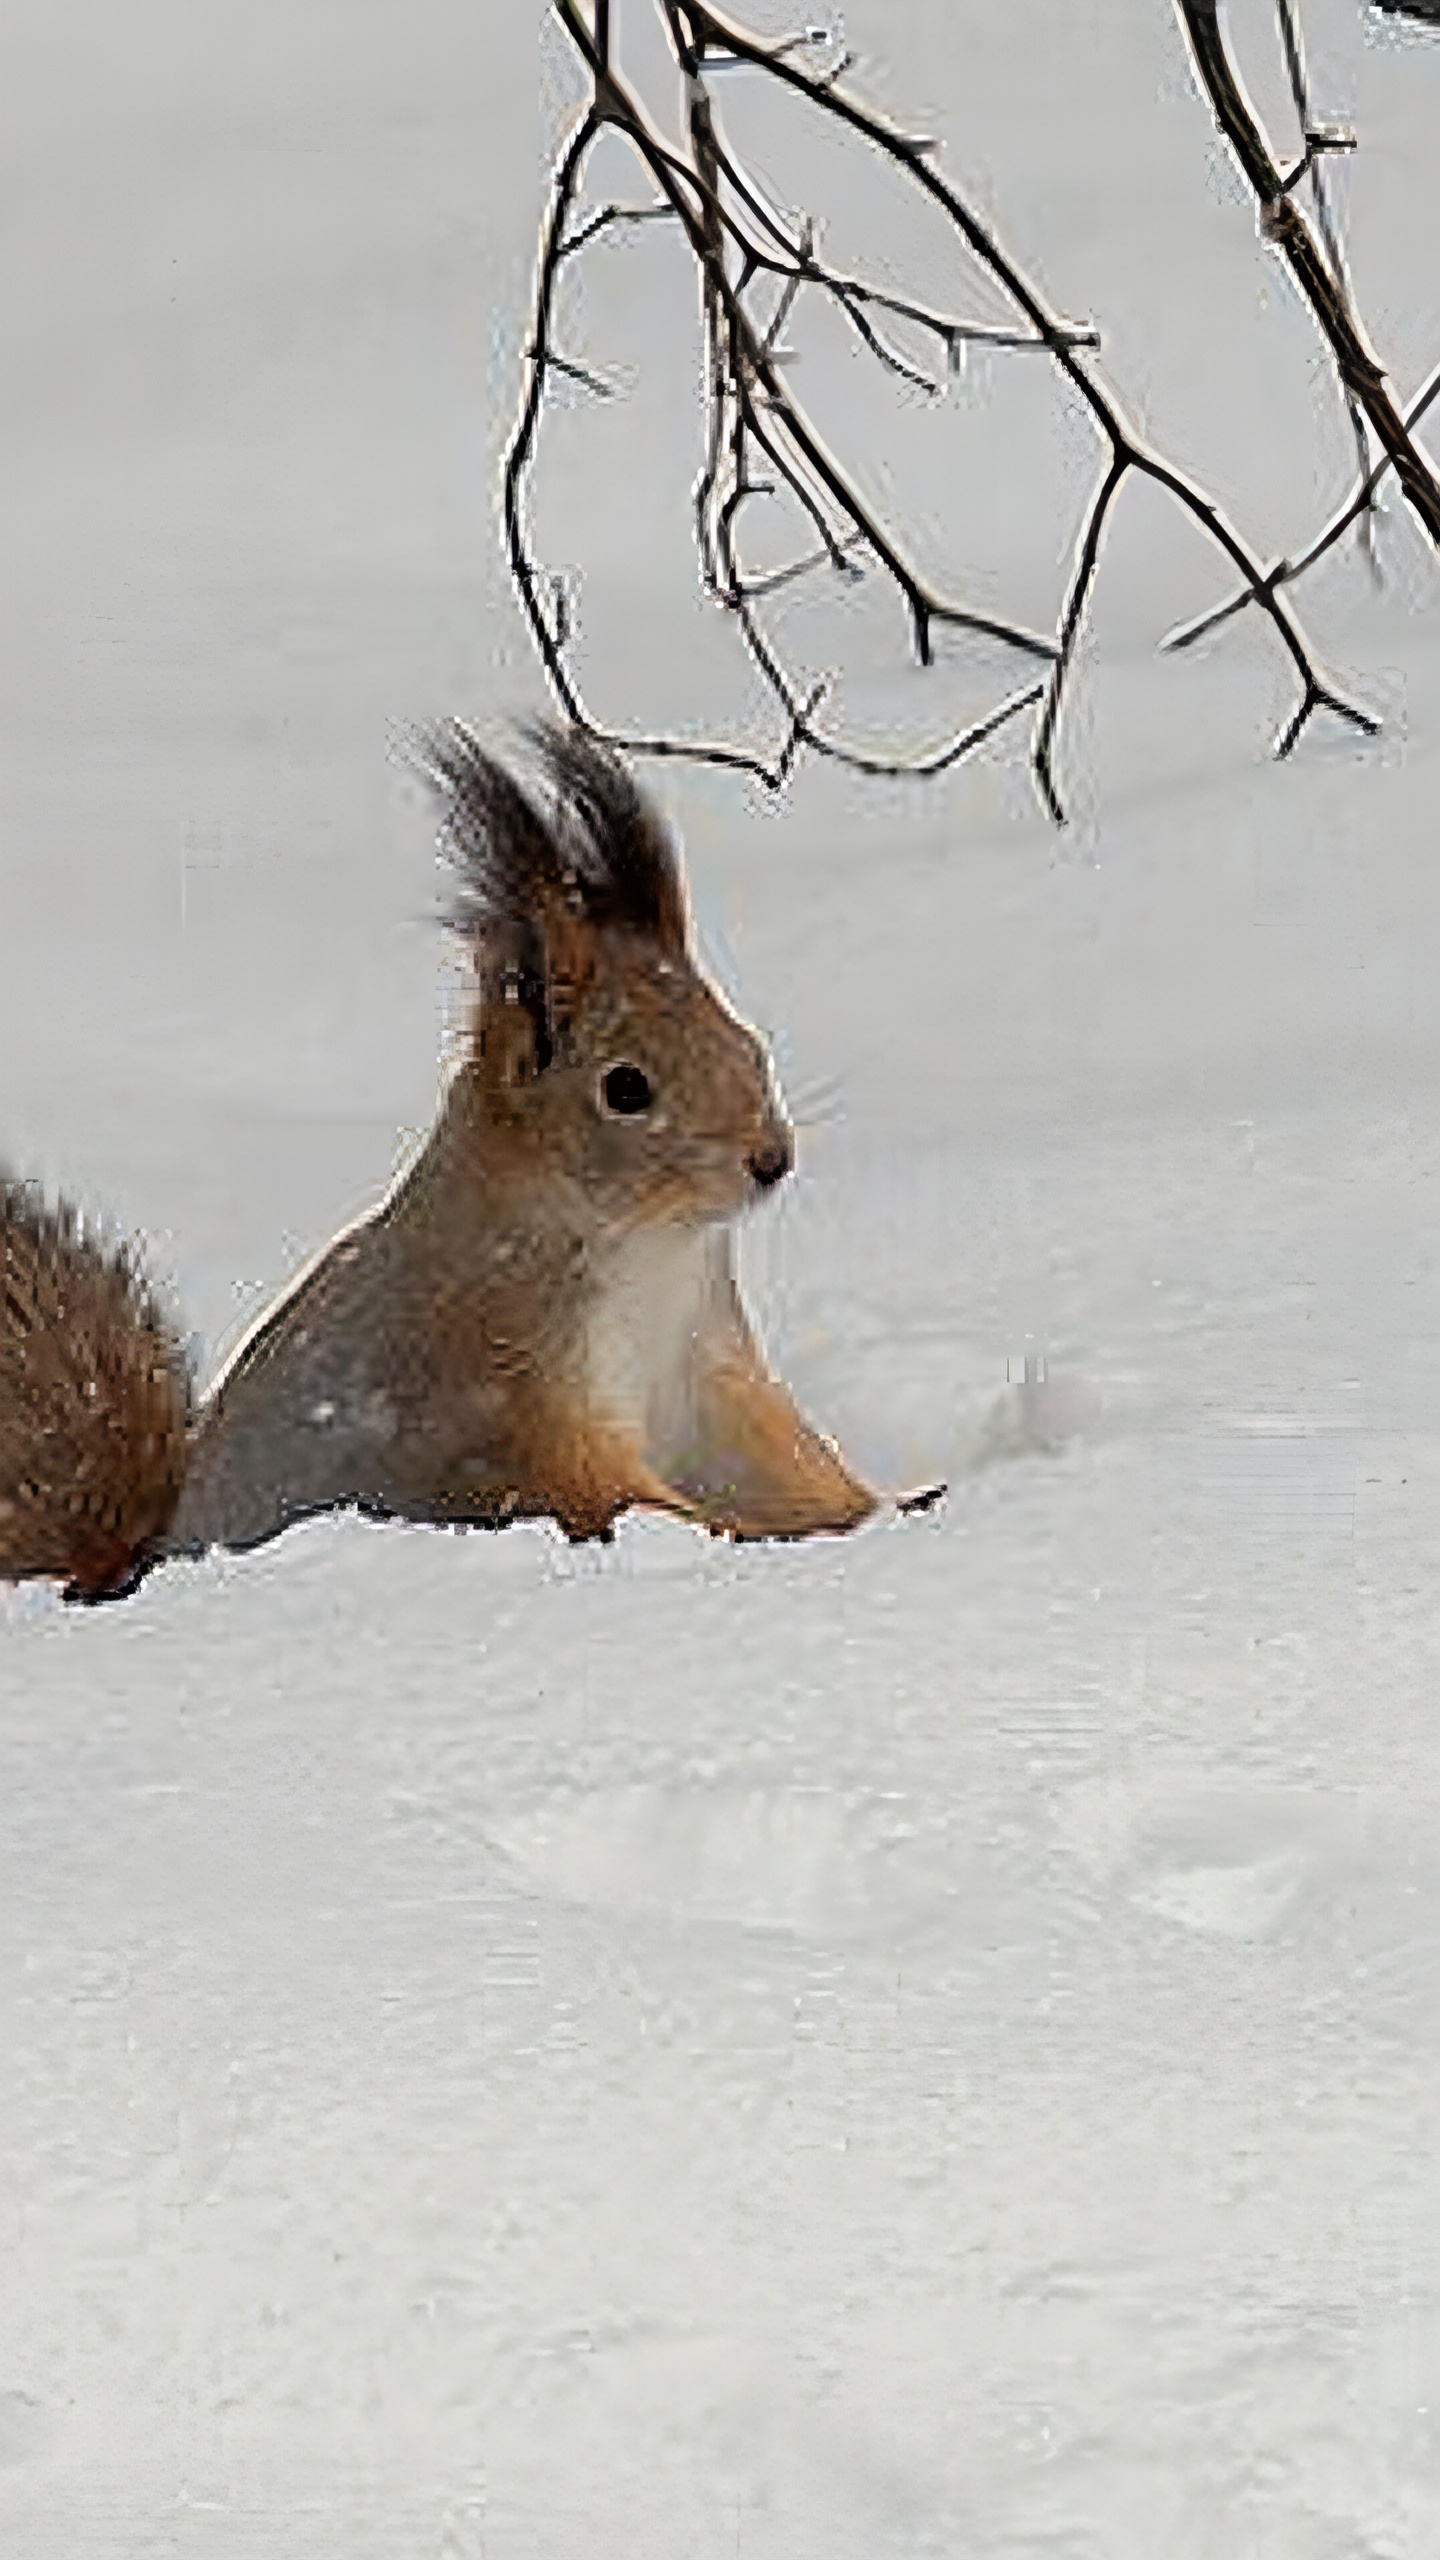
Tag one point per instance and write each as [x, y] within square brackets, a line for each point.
[1320, 139]
[1285, 224]
[606, 217]
[753, 414]
[1285, 572]
[550, 641]
[580, 373]
[893, 363]
[1086, 559]
[1119, 436]
[954, 333]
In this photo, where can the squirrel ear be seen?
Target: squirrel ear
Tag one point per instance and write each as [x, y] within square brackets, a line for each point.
[513, 1039]
[532, 978]
[514, 1035]
[569, 967]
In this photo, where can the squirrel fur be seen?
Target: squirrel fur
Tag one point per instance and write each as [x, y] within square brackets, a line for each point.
[541, 1319]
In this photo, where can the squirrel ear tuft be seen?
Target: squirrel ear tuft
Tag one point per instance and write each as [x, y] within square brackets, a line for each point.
[601, 856]
[618, 850]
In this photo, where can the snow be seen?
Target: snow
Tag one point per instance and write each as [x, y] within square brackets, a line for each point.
[918, 2045]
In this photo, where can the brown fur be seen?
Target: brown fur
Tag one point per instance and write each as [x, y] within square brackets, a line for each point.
[94, 1404]
[541, 1320]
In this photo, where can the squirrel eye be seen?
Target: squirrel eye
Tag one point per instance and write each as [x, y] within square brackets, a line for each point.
[626, 1090]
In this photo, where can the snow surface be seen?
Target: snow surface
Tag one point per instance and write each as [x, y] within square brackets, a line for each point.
[919, 2046]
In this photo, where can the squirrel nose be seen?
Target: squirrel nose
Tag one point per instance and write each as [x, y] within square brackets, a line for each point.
[771, 1163]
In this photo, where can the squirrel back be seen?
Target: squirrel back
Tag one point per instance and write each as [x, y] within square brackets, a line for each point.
[541, 1318]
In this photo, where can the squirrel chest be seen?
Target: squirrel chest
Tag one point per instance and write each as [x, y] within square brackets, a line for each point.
[652, 1303]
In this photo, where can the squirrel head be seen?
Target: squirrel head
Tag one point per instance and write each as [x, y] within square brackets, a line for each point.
[600, 1053]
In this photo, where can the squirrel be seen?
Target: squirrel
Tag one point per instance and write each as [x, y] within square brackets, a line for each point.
[540, 1319]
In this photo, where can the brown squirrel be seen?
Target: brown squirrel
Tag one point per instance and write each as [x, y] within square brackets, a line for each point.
[540, 1319]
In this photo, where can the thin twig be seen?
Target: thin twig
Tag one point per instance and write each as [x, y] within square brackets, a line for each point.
[1285, 572]
[736, 237]
[1283, 222]
[1317, 144]
[607, 215]
[1087, 556]
[581, 373]
[568, 170]
[707, 26]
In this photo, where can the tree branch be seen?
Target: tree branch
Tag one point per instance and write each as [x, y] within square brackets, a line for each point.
[752, 411]
[1285, 572]
[1284, 223]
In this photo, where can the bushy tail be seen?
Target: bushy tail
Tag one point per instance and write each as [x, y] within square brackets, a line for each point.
[95, 1399]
